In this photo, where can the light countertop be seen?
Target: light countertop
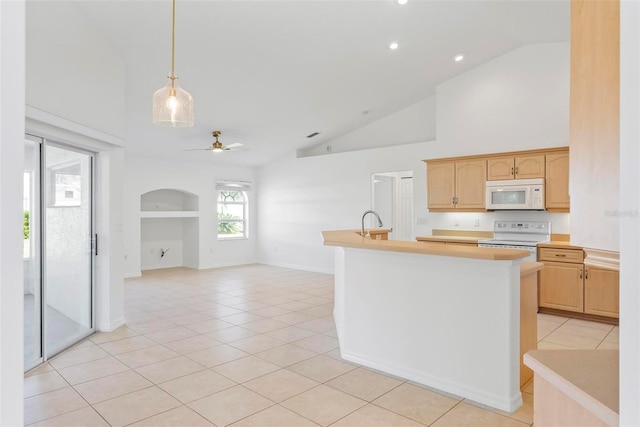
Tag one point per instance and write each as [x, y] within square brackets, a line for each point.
[451, 239]
[558, 244]
[351, 239]
[590, 377]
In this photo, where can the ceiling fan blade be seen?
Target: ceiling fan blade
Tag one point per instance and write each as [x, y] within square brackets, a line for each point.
[198, 149]
[234, 145]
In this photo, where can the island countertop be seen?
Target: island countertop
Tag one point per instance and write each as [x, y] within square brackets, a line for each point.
[351, 239]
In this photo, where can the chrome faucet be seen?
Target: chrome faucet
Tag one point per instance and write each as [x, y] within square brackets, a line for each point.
[377, 216]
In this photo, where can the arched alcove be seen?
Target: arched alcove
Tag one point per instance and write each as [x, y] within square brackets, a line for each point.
[168, 200]
[169, 229]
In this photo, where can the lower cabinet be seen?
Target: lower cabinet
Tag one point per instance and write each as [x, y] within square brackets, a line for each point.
[561, 286]
[571, 286]
[602, 292]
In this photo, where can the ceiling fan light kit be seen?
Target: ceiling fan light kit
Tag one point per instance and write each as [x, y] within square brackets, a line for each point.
[172, 105]
[217, 146]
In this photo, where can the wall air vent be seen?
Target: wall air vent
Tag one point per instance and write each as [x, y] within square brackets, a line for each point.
[311, 135]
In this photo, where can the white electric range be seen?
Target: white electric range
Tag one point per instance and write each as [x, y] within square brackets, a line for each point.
[523, 235]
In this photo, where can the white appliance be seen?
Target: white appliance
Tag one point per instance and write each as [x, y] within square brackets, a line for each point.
[524, 235]
[515, 194]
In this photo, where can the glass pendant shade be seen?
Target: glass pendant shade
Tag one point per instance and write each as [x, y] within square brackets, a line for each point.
[172, 106]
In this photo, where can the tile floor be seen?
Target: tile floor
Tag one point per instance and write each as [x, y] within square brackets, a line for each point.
[249, 346]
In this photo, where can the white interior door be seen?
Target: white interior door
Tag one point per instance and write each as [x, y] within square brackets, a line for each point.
[392, 198]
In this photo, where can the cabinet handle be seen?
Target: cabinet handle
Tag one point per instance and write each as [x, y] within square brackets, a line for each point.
[516, 170]
[511, 171]
[579, 273]
[586, 273]
[561, 255]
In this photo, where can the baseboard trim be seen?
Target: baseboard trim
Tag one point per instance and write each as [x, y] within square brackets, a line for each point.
[114, 325]
[506, 404]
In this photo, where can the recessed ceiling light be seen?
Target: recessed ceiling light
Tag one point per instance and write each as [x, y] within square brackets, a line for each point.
[402, 2]
[459, 57]
[393, 45]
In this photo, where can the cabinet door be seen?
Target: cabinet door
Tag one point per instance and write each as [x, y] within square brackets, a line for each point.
[440, 185]
[499, 168]
[557, 182]
[601, 292]
[470, 184]
[561, 286]
[530, 166]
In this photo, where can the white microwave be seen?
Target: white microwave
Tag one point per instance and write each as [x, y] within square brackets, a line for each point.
[515, 194]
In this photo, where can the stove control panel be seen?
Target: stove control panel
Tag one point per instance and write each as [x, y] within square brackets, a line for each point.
[534, 227]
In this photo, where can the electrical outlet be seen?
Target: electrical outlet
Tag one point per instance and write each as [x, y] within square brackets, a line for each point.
[476, 223]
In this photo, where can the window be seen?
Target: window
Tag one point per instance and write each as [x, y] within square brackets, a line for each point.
[232, 210]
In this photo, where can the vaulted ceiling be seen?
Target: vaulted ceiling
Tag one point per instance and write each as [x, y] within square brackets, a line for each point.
[269, 73]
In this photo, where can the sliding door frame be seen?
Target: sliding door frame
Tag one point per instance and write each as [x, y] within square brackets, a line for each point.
[44, 192]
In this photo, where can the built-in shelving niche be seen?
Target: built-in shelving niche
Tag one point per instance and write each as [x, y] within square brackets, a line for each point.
[169, 222]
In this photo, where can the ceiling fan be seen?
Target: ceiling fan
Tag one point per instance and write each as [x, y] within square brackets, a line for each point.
[217, 146]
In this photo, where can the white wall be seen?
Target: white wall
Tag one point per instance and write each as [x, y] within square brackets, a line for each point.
[300, 197]
[75, 91]
[630, 205]
[415, 123]
[518, 101]
[11, 217]
[144, 174]
[72, 72]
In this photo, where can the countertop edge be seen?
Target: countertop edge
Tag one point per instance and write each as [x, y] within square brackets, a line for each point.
[350, 239]
[460, 239]
[582, 397]
[528, 267]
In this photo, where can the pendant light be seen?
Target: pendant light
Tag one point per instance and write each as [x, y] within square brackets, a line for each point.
[172, 105]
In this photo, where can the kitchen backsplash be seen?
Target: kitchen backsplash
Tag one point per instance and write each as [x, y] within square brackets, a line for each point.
[484, 221]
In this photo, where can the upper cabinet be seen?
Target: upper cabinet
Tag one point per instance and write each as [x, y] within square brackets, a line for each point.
[557, 182]
[455, 185]
[515, 167]
[458, 184]
[441, 181]
[470, 184]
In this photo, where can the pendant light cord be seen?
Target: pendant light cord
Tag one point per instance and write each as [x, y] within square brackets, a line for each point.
[173, 43]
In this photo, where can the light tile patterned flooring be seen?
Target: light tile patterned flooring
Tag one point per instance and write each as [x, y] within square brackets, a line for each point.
[249, 346]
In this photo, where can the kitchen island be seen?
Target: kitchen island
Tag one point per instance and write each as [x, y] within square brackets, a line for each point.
[445, 316]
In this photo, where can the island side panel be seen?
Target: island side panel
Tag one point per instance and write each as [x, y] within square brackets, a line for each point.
[338, 306]
[449, 323]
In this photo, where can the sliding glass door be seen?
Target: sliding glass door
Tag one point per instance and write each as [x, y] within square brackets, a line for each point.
[32, 259]
[61, 245]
